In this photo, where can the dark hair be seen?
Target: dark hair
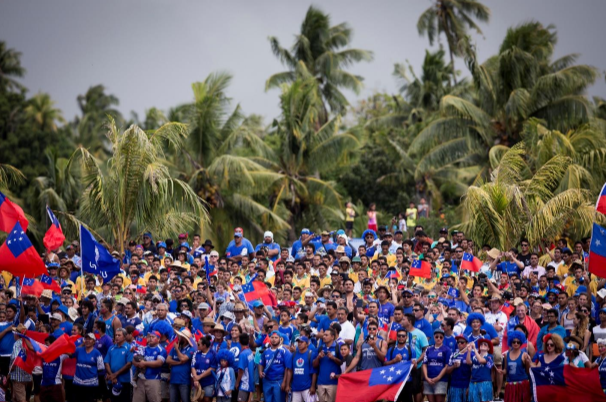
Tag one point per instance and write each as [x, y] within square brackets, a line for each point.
[206, 340]
[101, 326]
[244, 339]
[411, 318]
[449, 321]
[108, 303]
[331, 304]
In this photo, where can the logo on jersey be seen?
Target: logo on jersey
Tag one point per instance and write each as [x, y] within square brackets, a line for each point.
[300, 362]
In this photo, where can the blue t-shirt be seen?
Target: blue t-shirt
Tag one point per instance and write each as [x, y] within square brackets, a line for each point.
[7, 342]
[509, 267]
[66, 327]
[326, 247]
[425, 326]
[302, 365]
[297, 251]
[245, 242]
[117, 357]
[287, 333]
[246, 363]
[325, 321]
[153, 354]
[279, 360]
[328, 366]
[385, 313]
[515, 369]
[202, 362]
[181, 374]
[461, 375]
[481, 372]
[134, 321]
[417, 341]
[51, 372]
[270, 246]
[103, 344]
[602, 371]
[235, 350]
[392, 352]
[88, 367]
[234, 251]
[436, 359]
[451, 342]
[216, 347]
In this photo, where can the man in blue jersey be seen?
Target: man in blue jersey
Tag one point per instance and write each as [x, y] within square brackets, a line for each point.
[304, 374]
[273, 248]
[245, 383]
[275, 370]
[148, 384]
[118, 361]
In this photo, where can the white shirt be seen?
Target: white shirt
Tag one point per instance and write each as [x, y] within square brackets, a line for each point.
[458, 329]
[348, 332]
[529, 269]
[599, 333]
[498, 318]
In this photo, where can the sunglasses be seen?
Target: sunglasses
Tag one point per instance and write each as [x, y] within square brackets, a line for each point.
[550, 345]
[401, 336]
[516, 342]
[461, 342]
[439, 336]
[416, 310]
[431, 296]
[408, 296]
[372, 329]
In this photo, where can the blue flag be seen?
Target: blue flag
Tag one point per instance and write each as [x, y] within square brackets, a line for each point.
[95, 258]
[454, 292]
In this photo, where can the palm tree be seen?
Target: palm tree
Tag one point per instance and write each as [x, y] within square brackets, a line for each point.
[525, 201]
[322, 52]
[10, 67]
[133, 191]
[305, 150]
[519, 83]
[452, 18]
[60, 189]
[10, 175]
[41, 111]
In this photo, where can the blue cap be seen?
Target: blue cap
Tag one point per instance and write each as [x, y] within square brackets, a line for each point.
[257, 303]
[161, 244]
[340, 232]
[305, 231]
[580, 290]
[303, 339]
[186, 245]
[117, 388]
[603, 310]
[275, 333]
[64, 310]
[52, 265]
[237, 234]
[65, 285]
[321, 300]
[407, 291]
[147, 234]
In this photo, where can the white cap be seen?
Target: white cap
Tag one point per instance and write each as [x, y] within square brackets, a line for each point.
[602, 293]
[268, 234]
[214, 253]
[343, 236]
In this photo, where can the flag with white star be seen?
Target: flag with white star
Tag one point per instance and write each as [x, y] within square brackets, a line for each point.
[372, 385]
[597, 251]
[19, 257]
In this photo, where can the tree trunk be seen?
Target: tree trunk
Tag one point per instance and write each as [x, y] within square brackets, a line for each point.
[454, 72]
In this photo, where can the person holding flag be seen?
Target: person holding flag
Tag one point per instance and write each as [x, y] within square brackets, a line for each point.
[19, 377]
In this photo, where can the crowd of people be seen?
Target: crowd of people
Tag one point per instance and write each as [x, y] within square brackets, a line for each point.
[179, 324]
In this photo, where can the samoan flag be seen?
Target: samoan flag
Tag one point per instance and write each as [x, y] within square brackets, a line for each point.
[393, 273]
[471, 263]
[600, 205]
[32, 287]
[454, 292]
[420, 268]
[49, 283]
[54, 237]
[384, 382]
[11, 214]
[18, 256]
[566, 384]
[597, 251]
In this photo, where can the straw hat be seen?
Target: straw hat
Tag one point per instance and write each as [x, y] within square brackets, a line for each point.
[209, 320]
[196, 394]
[176, 264]
[186, 334]
[47, 293]
[493, 253]
[219, 327]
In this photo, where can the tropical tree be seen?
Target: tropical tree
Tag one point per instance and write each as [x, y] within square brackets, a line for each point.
[525, 201]
[42, 112]
[60, 188]
[321, 51]
[305, 150]
[10, 175]
[519, 83]
[133, 191]
[452, 18]
[10, 68]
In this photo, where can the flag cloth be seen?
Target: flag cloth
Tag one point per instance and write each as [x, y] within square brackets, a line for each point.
[28, 358]
[10, 214]
[95, 258]
[391, 334]
[62, 345]
[54, 238]
[597, 251]
[393, 273]
[371, 385]
[32, 287]
[600, 205]
[471, 263]
[454, 292]
[37, 336]
[48, 283]
[141, 289]
[566, 384]
[420, 268]
[256, 290]
[18, 256]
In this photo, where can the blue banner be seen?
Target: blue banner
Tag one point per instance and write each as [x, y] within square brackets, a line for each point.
[95, 258]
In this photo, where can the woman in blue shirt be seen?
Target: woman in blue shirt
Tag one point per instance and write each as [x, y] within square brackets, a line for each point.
[203, 363]
[460, 372]
[89, 367]
[435, 364]
[600, 363]
[516, 364]
[179, 360]
[553, 346]
[480, 389]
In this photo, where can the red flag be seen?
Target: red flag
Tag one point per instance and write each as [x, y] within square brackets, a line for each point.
[597, 251]
[471, 263]
[32, 287]
[169, 346]
[391, 334]
[257, 290]
[28, 358]
[61, 346]
[18, 256]
[49, 283]
[371, 385]
[566, 384]
[10, 214]
[600, 206]
[37, 336]
[420, 268]
[54, 238]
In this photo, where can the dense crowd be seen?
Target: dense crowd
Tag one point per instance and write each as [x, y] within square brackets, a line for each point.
[183, 321]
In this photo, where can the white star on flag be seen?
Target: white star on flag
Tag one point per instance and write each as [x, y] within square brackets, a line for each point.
[382, 371]
[597, 242]
[391, 369]
[389, 378]
[399, 372]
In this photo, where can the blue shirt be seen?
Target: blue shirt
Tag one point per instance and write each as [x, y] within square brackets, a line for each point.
[297, 251]
[202, 362]
[481, 372]
[234, 251]
[509, 267]
[270, 246]
[103, 344]
[461, 375]
[451, 342]
[181, 373]
[425, 326]
[235, 349]
[417, 341]
[152, 354]
[328, 366]
[602, 371]
[385, 313]
[246, 363]
[117, 357]
[89, 366]
[325, 322]
[558, 330]
[130, 321]
[7, 342]
[287, 333]
[436, 359]
[279, 360]
[51, 372]
[392, 352]
[302, 370]
[323, 246]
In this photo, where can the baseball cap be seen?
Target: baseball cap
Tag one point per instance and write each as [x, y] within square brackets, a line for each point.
[237, 234]
[56, 316]
[303, 339]
[203, 306]
[305, 231]
[91, 336]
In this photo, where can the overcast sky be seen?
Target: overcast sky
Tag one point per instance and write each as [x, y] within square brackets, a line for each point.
[148, 52]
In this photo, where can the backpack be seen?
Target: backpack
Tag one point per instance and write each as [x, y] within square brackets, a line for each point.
[389, 356]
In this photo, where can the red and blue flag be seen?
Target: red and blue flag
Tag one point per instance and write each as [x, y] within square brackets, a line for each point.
[18, 256]
[600, 206]
[471, 263]
[49, 283]
[372, 385]
[255, 290]
[597, 251]
[31, 287]
[566, 384]
[54, 237]
[420, 268]
[393, 273]
[141, 289]
[11, 214]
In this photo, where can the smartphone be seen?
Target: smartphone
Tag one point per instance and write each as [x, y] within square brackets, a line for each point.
[359, 303]
[518, 287]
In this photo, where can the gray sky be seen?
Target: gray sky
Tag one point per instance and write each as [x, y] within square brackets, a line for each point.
[148, 53]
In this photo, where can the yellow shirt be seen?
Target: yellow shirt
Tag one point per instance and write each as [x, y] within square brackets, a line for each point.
[327, 280]
[571, 286]
[381, 282]
[563, 270]
[303, 283]
[391, 258]
[349, 214]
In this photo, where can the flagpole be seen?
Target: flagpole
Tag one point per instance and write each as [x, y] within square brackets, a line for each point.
[81, 265]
